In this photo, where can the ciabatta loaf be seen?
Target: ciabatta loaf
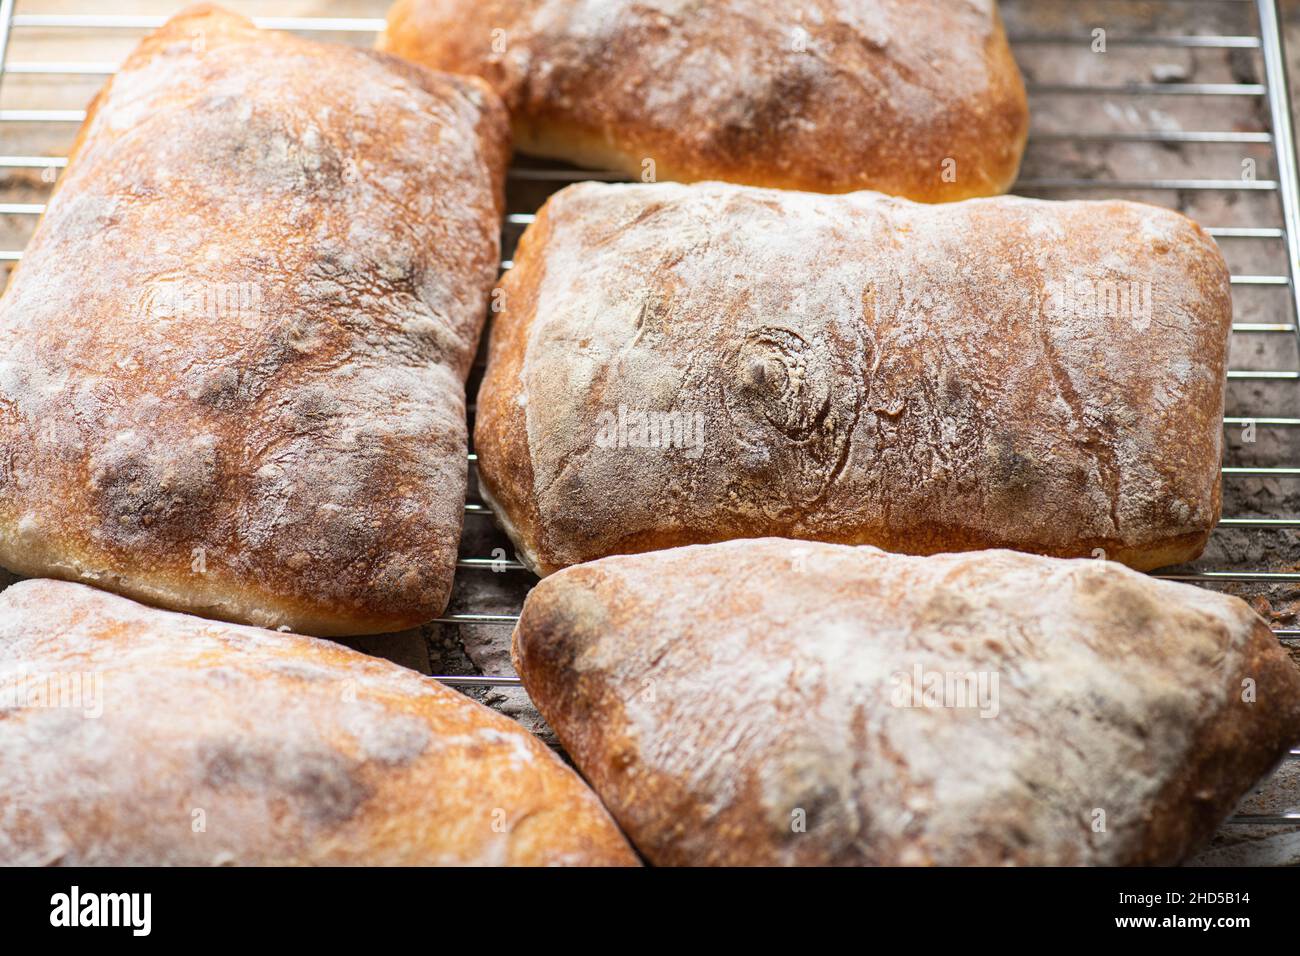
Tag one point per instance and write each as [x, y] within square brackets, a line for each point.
[134, 736]
[684, 364]
[919, 98]
[232, 360]
[783, 702]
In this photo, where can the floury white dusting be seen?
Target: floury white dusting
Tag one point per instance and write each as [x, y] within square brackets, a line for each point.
[638, 428]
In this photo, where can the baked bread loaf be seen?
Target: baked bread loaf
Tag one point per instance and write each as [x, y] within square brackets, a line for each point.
[919, 98]
[232, 361]
[133, 736]
[685, 364]
[780, 702]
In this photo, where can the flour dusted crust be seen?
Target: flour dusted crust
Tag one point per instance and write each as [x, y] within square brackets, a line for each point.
[220, 744]
[919, 98]
[856, 369]
[232, 362]
[717, 695]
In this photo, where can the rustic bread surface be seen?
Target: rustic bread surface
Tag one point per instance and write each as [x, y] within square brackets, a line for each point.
[232, 361]
[192, 742]
[784, 702]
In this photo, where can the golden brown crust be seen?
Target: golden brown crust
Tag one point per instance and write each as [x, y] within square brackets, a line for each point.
[918, 98]
[232, 363]
[756, 702]
[855, 369]
[171, 740]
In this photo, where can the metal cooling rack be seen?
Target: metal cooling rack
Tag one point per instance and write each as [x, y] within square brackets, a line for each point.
[1279, 138]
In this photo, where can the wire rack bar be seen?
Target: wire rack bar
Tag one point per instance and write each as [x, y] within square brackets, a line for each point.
[473, 680]
[502, 565]
[376, 24]
[527, 174]
[33, 162]
[55, 68]
[6, 22]
[1147, 136]
[1151, 136]
[1279, 107]
[1227, 471]
[1287, 635]
[1146, 89]
[1235, 577]
[42, 116]
[1260, 522]
[1245, 232]
[114, 21]
[1230, 185]
[1185, 42]
[472, 618]
[108, 68]
[37, 209]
